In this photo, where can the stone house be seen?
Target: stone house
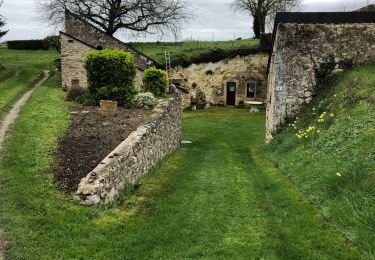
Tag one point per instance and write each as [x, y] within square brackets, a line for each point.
[229, 82]
[81, 37]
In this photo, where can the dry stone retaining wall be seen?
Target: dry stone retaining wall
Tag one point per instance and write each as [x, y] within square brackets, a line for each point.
[302, 54]
[135, 156]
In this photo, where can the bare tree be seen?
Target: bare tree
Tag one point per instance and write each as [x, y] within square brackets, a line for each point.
[151, 16]
[261, 10]
[2, 23]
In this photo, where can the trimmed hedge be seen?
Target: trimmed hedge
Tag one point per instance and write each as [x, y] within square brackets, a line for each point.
[155, 81]
[28, 45]
[111, 75]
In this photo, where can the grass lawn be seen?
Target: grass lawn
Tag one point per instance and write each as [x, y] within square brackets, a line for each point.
[29, 64]
[335, 165]
[216, 198]
[188, 49]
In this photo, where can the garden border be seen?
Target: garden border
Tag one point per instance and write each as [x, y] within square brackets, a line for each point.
[136, 155]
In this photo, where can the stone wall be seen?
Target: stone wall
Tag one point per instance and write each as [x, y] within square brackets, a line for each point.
[135, 156]
[211, 78]
[73, 53]
[303, 54]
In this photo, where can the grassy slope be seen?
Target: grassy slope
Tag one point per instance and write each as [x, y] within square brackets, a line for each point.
[187, 49]
[345, 145]
[216, 198]
[29, 63]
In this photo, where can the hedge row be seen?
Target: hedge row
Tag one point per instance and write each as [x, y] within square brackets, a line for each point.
[28, 45]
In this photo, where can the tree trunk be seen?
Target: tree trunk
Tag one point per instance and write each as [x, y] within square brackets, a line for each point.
[256, 26]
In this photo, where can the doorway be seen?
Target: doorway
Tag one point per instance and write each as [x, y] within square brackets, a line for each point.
[231, 93]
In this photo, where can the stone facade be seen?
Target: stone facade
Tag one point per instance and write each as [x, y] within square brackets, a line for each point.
[135, 156]
[211, 79]
[73, 52]
[84, 37]
[302, 54]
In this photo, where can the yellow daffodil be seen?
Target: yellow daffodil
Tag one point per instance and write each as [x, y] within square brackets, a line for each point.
[338, 174]
[332, 115]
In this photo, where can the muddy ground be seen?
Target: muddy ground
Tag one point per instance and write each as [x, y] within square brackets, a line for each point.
[90, 138]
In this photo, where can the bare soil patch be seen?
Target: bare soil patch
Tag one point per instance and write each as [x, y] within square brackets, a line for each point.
[90, 138]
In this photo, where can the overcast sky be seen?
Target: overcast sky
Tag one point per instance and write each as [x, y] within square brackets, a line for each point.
[214, 19]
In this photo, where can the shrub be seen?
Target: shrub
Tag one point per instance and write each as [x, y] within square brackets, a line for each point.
[111, 75]
[2, 67]
[75, 92]
[53, 42]
[155, 81]
[28, 45]
[145, 100]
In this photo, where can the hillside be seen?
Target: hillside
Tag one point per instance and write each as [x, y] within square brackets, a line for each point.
[329, 153]
[186, 52]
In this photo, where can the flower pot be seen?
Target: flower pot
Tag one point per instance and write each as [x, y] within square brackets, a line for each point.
[108, 107]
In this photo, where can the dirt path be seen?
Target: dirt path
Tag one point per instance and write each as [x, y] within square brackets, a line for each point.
[4, 128]
[16, 75]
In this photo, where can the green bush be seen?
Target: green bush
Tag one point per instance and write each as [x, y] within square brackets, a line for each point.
[28, 45]
[145, 100]
[155, 81]
[53, 42]
[111, 75]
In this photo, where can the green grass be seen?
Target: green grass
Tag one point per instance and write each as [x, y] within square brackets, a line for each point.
[37, 60]
[6, 74]
[189, 49]
[345, 145]
[12, 90]
[217, 198]
[29, 64]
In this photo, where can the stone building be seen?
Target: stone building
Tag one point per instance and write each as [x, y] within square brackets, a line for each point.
[81, 37]
[229, 82]
[307, 47]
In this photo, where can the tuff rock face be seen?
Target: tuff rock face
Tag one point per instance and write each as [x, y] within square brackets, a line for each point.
[209, 80]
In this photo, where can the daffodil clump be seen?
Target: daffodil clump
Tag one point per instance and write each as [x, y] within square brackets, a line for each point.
[312, 129]
[323, 117]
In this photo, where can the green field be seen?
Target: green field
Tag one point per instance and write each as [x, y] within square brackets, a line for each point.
[335, 165]
[27, 65]
[188, 49]
[220, 197]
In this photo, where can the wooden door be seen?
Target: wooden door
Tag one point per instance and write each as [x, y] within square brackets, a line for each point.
[231, 93]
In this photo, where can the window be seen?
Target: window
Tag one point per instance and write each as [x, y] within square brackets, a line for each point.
[251, 90]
